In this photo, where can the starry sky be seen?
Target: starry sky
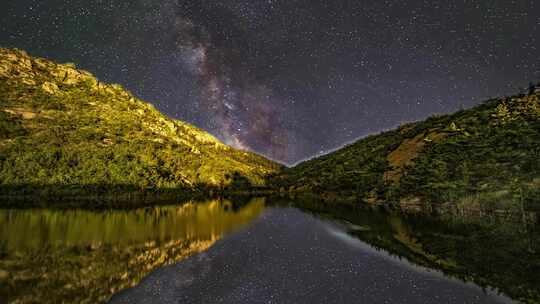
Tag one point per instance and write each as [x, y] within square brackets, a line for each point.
[290, 79]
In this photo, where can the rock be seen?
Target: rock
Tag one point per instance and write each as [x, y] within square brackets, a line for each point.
[96, 86]
[41, 64]
[50, 88]
[29, 81]
[65, 74]
[68, 74]
[25, 113]
[25, 63]
[12, 57]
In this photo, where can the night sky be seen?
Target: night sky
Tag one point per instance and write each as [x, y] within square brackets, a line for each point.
[288, 78]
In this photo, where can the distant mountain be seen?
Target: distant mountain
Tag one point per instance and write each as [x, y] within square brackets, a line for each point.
[62, 130]
[486, 157]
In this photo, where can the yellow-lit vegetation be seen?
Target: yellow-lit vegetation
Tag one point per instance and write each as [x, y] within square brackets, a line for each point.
[63, 131]
[82, 256]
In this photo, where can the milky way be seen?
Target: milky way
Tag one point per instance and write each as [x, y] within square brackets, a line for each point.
[242, 114]
[290, 79]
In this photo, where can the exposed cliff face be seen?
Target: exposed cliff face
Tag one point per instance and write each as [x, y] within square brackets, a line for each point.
[61, 126]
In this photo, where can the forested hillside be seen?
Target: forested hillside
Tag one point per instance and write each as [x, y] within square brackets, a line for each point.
[487, 156]
[62, 130]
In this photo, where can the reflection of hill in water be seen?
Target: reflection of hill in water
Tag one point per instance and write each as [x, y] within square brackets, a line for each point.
[489, 251]
[85, 256]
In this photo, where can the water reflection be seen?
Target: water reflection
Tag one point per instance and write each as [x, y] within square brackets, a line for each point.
[288, 256]
[85, 256]
[78, 256]
[489, 251]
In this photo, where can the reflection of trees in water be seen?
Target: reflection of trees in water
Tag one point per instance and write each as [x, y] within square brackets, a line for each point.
[85, 256]
[488, 251]
[88, 274]
[503, 253]
[80, 227]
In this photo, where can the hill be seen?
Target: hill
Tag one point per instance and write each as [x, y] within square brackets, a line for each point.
[486, 157]
[64, 131]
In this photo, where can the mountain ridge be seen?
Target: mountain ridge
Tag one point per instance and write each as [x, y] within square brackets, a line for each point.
[64, 131]
[472, 157]
[62, 127]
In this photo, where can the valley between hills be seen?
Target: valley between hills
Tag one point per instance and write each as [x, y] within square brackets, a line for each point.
[63, 133]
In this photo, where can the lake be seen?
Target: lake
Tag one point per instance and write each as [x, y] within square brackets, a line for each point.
[264, 251]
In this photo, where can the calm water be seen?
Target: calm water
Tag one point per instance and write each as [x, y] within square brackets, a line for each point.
[79, 256]
[263, 252]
